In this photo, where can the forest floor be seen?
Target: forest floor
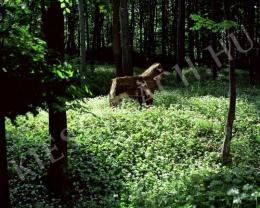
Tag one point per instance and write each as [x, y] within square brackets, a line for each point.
[167, 155]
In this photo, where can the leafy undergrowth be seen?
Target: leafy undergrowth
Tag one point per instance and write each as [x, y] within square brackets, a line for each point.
[166, 155]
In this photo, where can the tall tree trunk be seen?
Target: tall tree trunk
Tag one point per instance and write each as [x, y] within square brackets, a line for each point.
[151, 35]
[132, 24]
[205, 39]
[164, 35]
[4, 187]
[257, 40]
[146, 27]
[103, 39]
[125, 41]
[250, 27]
[257, 31]
[197, 46]
[54, 35]
[116, 37]
[173, 38]
[141, 22]
[98, 22]
[54, 32]
[180, 34]
[109, 33]
[57, 174]
[197, 36]
[226, 155]
[87, 25]
[213, 38]
[82, 39]
[72, 22]
[191, 32]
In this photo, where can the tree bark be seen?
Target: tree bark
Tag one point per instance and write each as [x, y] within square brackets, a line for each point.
[173, 38]
[226, 155]
[132, 24]
[54, 35]
[116, 37]
[141, 22]
[250, 27]
[98, 22]
[180, 34]
[72, 22]
[82, 39]
[191, 44]
[213, 39]
[164, 35]
[151, 35]
[4, 187]
[53, 24]
[87, 25]
[57, 174]
[125, 41]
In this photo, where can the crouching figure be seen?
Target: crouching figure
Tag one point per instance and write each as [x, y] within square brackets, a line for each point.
[140, 88]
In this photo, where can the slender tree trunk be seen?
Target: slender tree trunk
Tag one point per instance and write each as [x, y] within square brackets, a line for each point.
[213, 38]
[190, 33]
[72, 22]
[54, 35]
[43, 17]
[164, 35]
[197, 46]
[116, 37]
[109, 33]
[197, 36]
[257, 24]
[53, 27]
[132, 24]
[146, 28]
[250, 27]
[98, 23]
[257, 40]
[141, 20]
[4, 187]
[157, 13]
[125, 39]
[173, 49]
[205, 40]
[82, 39]
[103, 41]
[151, 35]
[87, 26]
[226, 155]
[180, 34]
[57, 174]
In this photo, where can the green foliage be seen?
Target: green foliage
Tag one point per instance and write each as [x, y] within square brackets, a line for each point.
[104, 5]
[66, 5]
[164, 156]
[206, 23]
[25, 44]
[24, 58]
[63, 71]
[20, 49]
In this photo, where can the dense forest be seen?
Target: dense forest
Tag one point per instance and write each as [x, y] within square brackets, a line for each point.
[129, 103]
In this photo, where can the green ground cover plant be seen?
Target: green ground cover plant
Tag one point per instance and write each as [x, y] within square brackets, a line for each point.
[167, 155]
